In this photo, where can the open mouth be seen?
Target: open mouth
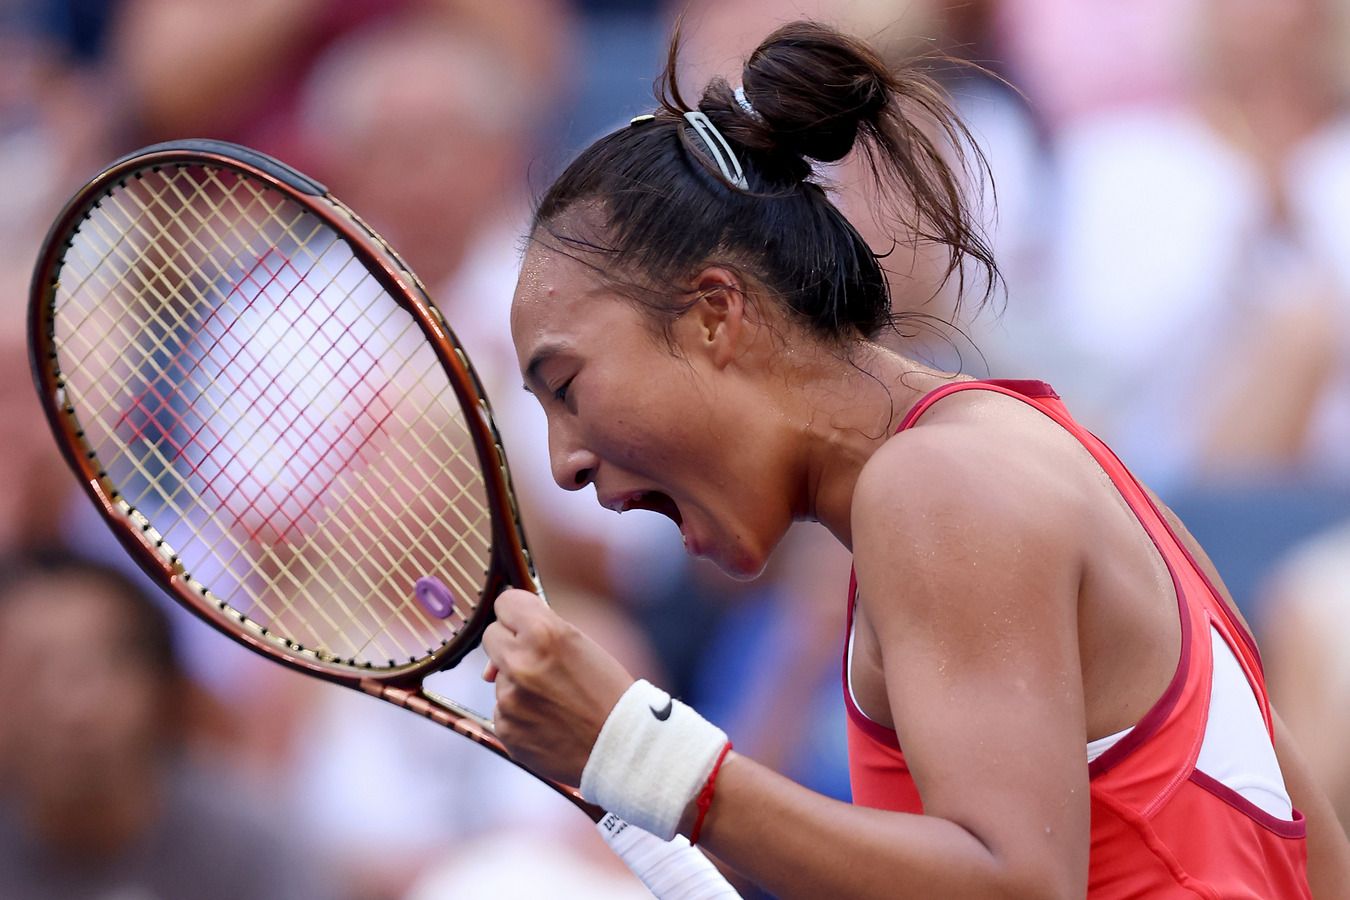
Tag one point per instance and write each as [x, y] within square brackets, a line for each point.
[655, 501]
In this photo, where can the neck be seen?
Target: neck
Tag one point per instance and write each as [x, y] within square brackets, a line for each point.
[847, 412]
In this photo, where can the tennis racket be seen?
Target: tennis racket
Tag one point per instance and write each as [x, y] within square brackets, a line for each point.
[281, 428]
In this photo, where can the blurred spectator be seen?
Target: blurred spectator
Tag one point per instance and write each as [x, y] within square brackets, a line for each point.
[1306, 642]
[198, 68]
[526, 867]
[942, 322]
[1199, 264]
[423, 116]
[721, 35]
[427, 130]
[1200, 269]
[96, 797]
[59, 115]
[620, 47]
[59, 112]
[1078, 58]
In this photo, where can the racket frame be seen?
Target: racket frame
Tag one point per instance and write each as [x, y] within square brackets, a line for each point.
[668, 869]
[510, 564]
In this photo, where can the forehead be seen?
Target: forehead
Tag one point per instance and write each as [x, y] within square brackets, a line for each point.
[559, 299]
[547, 276]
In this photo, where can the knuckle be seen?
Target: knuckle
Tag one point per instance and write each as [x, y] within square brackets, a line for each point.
[532, 628]
[535, 642]
[550, 634]
[566, 635]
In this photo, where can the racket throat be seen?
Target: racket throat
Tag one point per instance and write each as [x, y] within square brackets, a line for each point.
[441, 710]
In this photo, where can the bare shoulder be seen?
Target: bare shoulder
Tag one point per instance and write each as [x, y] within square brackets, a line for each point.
[984, 485]
[975, 458]
[968, 571]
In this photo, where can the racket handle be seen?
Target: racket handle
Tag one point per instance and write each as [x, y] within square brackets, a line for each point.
[671, 870]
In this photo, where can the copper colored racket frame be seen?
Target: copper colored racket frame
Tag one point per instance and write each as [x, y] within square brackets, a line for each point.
[511, 565]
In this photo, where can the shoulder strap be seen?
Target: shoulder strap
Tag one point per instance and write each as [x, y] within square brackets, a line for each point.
[1027, 390]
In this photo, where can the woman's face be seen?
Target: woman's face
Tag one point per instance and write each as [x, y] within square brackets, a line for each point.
[677, 430]
[92, 704]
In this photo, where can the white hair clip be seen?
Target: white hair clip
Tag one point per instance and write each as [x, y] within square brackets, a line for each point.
[719, 149]
[744, 101]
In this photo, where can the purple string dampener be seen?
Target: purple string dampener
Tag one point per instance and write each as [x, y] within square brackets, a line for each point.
[434, 597]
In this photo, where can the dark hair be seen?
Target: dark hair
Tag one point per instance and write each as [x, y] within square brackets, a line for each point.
[152, 633]
[656, 207]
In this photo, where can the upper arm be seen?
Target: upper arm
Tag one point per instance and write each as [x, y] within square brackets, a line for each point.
[970, 584]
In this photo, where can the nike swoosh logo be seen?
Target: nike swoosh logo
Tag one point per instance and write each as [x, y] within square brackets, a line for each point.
[663, 713]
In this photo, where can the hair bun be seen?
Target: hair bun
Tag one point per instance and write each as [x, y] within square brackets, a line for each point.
[815, 88]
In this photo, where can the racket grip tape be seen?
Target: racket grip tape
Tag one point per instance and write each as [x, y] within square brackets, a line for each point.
[671, 870]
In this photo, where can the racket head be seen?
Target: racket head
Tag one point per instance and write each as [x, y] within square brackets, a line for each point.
[230, 412]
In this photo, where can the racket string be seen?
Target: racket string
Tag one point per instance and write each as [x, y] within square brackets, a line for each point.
[355, 412]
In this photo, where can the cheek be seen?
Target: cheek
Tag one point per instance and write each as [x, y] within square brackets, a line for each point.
[640, 441]
[648, 421]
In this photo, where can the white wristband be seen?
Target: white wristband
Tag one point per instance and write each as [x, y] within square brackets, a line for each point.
[652, 758]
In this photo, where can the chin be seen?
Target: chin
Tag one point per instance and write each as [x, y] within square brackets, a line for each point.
[742, 565]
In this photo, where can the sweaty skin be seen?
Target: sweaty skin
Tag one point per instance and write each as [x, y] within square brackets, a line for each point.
[999, 573]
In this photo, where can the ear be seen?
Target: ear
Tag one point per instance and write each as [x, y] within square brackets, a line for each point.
[717, 320]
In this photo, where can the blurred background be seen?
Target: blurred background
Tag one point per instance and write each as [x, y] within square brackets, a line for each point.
[1173, 220]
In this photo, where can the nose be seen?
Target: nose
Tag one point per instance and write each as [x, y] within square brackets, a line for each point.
[573, 465]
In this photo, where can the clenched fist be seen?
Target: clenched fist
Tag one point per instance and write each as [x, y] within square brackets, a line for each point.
[555, 686]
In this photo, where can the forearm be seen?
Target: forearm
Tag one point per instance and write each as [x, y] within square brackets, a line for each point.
[1010, 822]
[796, 843]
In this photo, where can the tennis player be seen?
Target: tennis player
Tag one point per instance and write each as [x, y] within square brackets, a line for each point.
[1080, 707]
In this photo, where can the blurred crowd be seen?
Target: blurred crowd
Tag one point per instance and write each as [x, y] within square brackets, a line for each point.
[1171, 209]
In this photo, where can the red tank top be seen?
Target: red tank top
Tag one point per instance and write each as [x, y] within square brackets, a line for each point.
[1160, 827]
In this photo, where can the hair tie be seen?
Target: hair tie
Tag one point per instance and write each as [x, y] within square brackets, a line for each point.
[718, 148]
[744, 101]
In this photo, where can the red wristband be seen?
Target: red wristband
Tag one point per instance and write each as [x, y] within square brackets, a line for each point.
[705, 796]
